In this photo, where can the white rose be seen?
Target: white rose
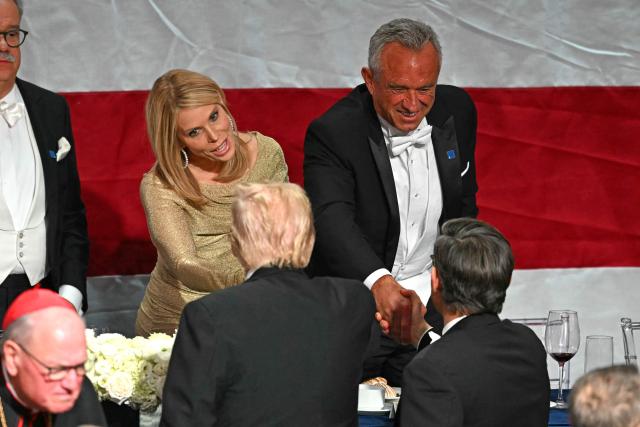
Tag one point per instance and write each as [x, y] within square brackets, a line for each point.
[119, 386]
[159, 336]
[163, 356]
[103, 367]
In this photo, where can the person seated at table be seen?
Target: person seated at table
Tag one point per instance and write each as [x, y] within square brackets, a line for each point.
[606, 397]
[483, 371]
[187, 194]
[281, 349]
[43, 357]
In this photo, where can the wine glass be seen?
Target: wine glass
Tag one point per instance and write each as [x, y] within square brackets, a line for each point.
[562, 339]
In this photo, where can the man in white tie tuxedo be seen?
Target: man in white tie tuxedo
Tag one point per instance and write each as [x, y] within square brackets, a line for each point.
[43, 228]
[383, 167]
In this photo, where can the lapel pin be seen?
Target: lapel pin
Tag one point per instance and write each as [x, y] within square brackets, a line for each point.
[52, 154]
[451, 154]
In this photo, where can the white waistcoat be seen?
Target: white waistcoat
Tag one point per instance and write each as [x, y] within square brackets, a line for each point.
[23, 246]
[419, 194]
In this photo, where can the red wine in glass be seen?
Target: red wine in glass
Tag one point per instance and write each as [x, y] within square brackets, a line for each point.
[562, 339]
[562, 357]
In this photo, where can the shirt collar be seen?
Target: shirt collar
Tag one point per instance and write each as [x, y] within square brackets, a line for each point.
[451, 323]
[13, 96]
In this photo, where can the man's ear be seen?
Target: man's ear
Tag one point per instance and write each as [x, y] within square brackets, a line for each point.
[367, 76]
[10, 357]
[436, 285]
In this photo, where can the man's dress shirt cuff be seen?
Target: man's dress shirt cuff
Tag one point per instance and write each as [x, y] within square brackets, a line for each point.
[73, 295]
[373, 277]
[429, 337]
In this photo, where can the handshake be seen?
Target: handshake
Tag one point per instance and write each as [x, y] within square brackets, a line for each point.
[400, 311]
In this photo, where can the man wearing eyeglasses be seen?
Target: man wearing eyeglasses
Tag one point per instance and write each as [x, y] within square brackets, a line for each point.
[43, 227]
[43, 356]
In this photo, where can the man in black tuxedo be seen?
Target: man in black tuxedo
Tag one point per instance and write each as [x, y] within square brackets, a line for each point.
[383, 167]
[483, 372]
[43, 228]
[281, 349]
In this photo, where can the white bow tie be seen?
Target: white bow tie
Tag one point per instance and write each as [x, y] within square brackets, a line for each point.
[12, 112]
[400, 143]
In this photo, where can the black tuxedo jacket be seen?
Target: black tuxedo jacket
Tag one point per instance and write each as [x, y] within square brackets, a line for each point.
[280, 349]
[348, 177]
[483, 372]
[67, 239]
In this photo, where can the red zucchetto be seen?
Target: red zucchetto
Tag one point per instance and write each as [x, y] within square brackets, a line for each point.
[33, 300]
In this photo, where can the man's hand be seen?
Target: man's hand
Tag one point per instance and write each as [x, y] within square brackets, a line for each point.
[384, 324]
[418, 325]
[394, 308]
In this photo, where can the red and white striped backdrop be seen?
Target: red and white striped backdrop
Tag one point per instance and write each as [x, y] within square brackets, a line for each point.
[556, 86]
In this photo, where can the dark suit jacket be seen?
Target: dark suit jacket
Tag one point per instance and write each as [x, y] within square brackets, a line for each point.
[483, 372]
[348, 177]
[87, 409]
[67, 239]
[278, 350]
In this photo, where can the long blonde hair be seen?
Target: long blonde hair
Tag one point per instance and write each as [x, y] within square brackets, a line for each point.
[171, 92]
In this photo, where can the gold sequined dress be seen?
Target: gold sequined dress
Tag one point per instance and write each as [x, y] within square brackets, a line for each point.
[194, 247]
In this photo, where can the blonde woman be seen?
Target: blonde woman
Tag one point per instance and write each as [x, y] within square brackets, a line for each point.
[187, 194]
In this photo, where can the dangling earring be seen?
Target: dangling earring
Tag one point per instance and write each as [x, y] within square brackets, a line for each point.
[233, 124]
[185, 158]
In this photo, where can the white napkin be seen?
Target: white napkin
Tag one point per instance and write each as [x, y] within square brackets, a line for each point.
[63, 149]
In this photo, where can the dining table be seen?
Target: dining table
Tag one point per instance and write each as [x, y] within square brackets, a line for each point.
[557, 417]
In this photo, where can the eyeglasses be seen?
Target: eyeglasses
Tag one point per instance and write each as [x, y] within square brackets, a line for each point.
[14, 38]
[56, 373]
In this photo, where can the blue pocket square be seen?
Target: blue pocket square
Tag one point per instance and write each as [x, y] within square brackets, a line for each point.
[52, 154]
[451, 154]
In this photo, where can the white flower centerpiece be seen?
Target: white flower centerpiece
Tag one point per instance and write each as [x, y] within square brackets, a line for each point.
[129, 370]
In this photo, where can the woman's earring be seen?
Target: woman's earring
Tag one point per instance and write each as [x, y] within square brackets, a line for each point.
[185, 158]
[233, 124]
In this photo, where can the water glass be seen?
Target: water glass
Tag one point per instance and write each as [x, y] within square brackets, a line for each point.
[598, 352]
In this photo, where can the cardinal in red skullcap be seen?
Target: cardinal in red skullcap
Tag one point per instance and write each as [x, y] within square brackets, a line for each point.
[31, 301]
[43, 355]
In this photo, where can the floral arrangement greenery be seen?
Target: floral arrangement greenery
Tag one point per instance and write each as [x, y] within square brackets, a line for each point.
[129, 371]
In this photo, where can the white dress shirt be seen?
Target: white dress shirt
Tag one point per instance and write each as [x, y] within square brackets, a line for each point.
[22, 200]
[434, 336]
[22, 204]
[17, 165]
[417, 184]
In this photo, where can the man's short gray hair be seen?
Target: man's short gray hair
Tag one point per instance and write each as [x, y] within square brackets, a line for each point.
[19, 331]
[606, 397]
[474, 263]
[409, 33]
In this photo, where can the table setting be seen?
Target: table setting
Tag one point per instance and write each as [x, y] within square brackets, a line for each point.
[561, 341]
[131, 371]
[377, 403]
